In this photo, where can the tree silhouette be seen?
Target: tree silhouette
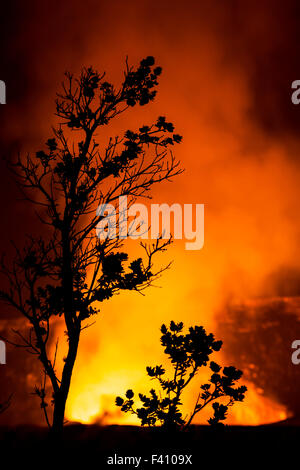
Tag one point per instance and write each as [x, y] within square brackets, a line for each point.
[66, 272]
[188, 353]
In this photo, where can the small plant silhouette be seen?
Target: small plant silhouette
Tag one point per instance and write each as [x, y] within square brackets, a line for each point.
[187, 352]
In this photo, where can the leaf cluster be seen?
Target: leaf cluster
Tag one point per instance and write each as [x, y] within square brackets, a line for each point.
[187, 352]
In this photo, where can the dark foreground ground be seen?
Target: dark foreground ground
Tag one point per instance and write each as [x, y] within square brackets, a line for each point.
[93, 446]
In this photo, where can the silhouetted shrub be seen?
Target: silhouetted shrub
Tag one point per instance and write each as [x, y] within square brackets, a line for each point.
[187, 352]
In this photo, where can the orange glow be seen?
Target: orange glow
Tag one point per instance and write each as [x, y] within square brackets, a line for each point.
[257, 409]
[226, 87]
[248, 182]
[247, 235]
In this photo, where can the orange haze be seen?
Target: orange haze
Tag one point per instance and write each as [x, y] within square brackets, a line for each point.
[250, 189]
[246, 175]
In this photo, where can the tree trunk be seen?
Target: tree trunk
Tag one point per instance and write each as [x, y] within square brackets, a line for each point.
[60, 398]
[73, 329]
[58, 414]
